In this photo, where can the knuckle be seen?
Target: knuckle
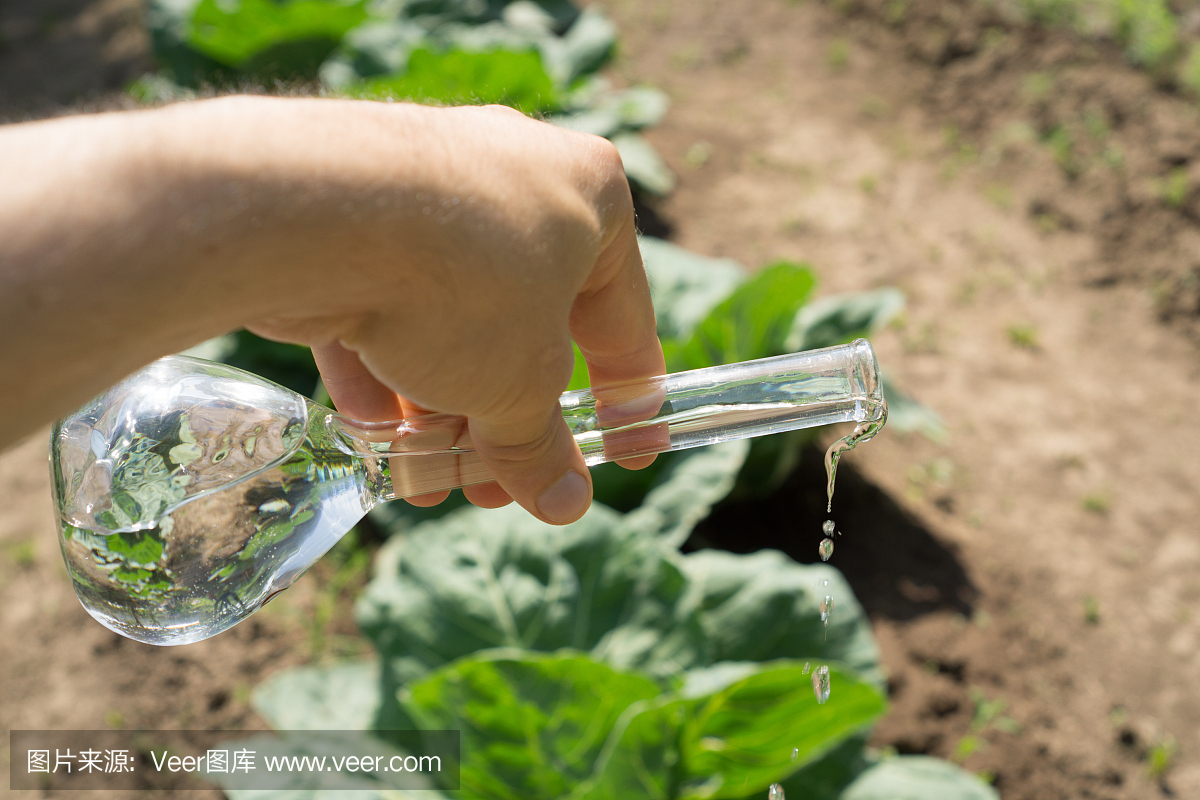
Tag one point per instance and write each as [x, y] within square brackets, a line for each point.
[609, 188]
[525, 452]
[605, 156]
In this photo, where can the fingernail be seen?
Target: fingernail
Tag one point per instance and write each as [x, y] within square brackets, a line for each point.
[566, 499]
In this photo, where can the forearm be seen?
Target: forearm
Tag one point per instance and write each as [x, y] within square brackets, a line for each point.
[124, 237]
[112, 252]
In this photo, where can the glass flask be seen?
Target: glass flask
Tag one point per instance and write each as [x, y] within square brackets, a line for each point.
[191, 493]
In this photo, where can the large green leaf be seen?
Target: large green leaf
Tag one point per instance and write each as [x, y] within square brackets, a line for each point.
[478, 579]
[906, 415]
[826, 777]
[643, 165]
[234, 31]
[764, 606]
[455, 77]
[840, 318]
[686, 488]
[584, 48]
[732, 740]
[606, 584]
[685, 286]
[917, 778]
[753, 322]
[609, 113]
[532, 724]
[221, 41]
[376, 47]
[341, 697]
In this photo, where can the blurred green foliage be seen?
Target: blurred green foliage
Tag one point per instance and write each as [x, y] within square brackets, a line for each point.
[540, 57]
[457, 77]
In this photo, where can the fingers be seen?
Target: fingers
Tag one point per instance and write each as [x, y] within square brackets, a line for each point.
[612, 319]
[354, 390]
[537, 463]
[613, 323]
[487, 495]
[359, 395]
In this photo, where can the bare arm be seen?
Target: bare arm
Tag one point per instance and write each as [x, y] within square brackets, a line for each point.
[434, 258]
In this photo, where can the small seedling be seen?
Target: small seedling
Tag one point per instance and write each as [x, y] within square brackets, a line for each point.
[894, 11]
[23, 553]
[867, 184]
[1160, 756]
[698, 154]
[967, 291]
[1174, 189]
[794, 226]
[1096, 125]
[988, 714]
[1189, 71]
[114, 719]
[1096, 503]
[838, 55]
[1000, 194]
[242, 693]
[968, 746]
[1071, 461]
[1113, 156]
[1047, 223]
[687, 57]
[922, 338]
[1038, 86]
[1091, 609]
[985, 710]
[1062, 147]
[873, 106]
[1023, 336]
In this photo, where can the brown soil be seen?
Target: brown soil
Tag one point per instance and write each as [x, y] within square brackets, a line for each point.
[1046, 556]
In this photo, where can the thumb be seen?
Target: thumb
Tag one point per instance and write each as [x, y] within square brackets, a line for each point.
[535, 459]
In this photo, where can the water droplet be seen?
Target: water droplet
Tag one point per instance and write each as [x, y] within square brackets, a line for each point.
[775, 792]
[807, 667]
[826, 609]
[820, 682]
[825, 549]
[828, 527]
[795, 754]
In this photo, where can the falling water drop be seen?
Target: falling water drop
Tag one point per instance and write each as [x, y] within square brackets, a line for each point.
[775, 792]
[820, 682]
[825, 549]
[826, 608]
[807, 667]
[828, 527]
[795, 754]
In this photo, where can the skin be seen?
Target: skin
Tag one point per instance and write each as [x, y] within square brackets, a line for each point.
[434, 259]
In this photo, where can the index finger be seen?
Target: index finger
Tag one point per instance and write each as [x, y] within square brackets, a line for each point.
[612, 321]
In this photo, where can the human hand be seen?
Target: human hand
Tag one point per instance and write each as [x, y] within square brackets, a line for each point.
[442, 260]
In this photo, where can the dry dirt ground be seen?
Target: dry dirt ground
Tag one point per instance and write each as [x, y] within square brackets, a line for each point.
[1046, 555]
